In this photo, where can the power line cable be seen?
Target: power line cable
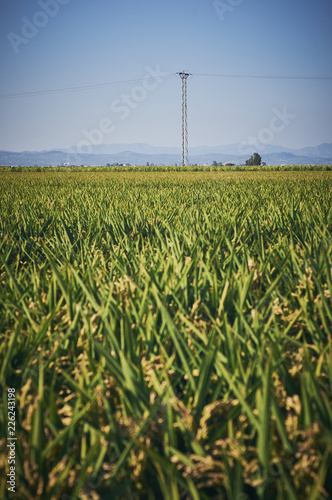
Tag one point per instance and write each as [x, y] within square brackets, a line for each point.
[268, 77]
[139, 80]
[68, 89]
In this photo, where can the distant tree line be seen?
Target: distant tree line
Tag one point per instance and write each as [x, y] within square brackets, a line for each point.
[254, 160]
[171, 168]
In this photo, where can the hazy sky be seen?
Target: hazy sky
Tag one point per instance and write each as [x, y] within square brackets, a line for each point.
[60, 44]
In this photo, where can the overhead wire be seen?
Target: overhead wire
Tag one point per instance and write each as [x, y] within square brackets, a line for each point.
[268, 77]
[139, 80]
[68, 89]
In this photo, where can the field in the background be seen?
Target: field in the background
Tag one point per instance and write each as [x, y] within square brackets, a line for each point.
[168, 334]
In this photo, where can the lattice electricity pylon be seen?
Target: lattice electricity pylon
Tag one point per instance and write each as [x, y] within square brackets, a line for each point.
[184, 154]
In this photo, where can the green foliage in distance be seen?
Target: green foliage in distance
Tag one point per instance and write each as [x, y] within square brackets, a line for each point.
[254, 160]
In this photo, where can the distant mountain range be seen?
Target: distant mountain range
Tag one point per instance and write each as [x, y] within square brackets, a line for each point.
[140, 154]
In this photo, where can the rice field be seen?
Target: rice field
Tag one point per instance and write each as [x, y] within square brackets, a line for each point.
[168, 334]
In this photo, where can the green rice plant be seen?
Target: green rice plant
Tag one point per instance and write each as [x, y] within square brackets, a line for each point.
[168, 334]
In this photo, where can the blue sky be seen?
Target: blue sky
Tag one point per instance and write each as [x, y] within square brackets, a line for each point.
[56, 44]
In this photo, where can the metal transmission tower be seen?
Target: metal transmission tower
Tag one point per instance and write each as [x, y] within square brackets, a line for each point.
[184, 155]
